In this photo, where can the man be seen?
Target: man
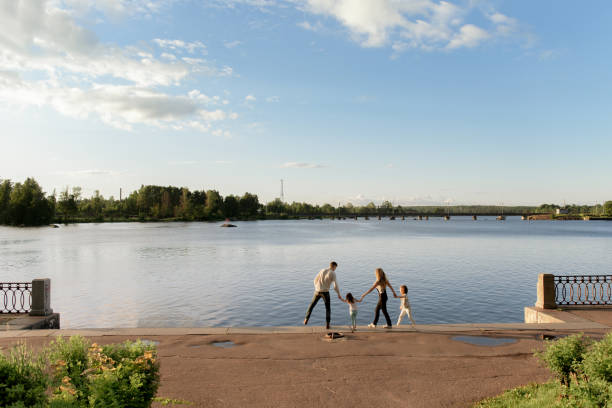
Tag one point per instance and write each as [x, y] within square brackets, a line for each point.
[322, 282]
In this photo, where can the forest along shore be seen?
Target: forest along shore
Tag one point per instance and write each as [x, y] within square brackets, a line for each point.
[27, 204]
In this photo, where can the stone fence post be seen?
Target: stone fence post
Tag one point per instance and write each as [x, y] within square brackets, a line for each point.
[41, 297]
[546, 291]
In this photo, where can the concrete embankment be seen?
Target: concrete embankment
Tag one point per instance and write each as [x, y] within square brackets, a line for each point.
[433, 366]
[23, 321]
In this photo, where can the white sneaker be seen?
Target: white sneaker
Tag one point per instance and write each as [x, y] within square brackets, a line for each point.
[372, 326]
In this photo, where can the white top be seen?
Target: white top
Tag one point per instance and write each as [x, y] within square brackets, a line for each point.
[381, 288]
[405, 303]
[324, 279]
[352, 306]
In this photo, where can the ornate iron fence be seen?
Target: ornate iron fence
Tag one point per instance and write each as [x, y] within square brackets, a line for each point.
[15, 297]
[574, 290]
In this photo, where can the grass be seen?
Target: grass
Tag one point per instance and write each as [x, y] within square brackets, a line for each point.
[529, 396]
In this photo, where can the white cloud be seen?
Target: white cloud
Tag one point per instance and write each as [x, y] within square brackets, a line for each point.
[120, 106]
[250, 98]
[364, 199]
[469, 36]
[402, 24]
[212, 116]
[299, 165]
[505, 25]
[117, 8]
[548, 55]
[183, 162]
[232, 44]
[89, 173]
[180, 45]
[168, 56]
[81, 77]
[311, 27]
[271, 99]
[225, 133]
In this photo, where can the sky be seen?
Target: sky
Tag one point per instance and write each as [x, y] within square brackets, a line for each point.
[419, 102]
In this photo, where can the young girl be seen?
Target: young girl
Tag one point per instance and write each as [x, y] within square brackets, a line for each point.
[352, 309]
[404, 306]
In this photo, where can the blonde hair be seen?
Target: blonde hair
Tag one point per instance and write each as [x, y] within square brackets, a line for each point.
[381, 278]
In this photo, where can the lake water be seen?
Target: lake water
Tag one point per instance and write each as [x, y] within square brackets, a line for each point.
[260, 274]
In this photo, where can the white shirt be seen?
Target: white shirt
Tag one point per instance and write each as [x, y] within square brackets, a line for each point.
[405, 303]
[324, 279]
[352, 306]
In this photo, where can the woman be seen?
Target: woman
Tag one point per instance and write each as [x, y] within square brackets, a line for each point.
[380, 284]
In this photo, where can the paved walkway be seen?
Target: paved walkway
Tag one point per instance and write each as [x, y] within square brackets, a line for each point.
[582, 324]
[434, 366]
[601, 316]
[297, 367]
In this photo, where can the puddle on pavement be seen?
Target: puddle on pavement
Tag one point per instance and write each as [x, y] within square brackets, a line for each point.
[484, 340]
[149, 342]
[223, 344]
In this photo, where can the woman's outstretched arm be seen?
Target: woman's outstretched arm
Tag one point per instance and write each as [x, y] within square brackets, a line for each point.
[392, 290]
[369, 290]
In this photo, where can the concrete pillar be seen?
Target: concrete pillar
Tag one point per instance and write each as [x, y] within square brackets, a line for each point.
[546, 291]
[41, 297]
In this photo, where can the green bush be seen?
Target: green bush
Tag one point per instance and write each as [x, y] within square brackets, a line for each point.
[592, 393]
[69, 359]
[597, 362]
[80, 374]
[586, 366]
[23, 380]
[564, 356]
[125, 375]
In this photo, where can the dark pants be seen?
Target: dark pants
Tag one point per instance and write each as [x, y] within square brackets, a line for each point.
[315, 299]
[382, 304]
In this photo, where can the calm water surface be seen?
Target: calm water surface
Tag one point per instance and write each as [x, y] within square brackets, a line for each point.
[260, 274]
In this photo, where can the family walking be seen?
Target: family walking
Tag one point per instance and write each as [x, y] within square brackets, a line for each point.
[327, 276]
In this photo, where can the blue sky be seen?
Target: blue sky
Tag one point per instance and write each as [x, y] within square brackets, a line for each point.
[413, 101]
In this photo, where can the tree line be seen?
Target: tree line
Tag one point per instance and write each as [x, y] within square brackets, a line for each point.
[27, 204]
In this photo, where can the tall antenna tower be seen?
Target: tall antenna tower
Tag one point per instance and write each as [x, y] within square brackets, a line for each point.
[282, 195]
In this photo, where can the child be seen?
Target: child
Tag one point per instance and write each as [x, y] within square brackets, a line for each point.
[352, 302]
[405, 306]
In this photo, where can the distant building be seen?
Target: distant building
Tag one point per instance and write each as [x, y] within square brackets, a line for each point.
[562, 211]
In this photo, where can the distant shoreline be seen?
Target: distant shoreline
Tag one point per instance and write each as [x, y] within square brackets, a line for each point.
[541, 217]
[27, 204]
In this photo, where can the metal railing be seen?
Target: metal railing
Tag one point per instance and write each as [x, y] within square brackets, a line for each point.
[579, 290]
[15, 297]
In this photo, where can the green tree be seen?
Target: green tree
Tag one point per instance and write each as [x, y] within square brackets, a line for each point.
[231, 206]
[276, 207]
[28, 204]
[213, 203]
[607, 207]
[249, 205]
[184, 208]
[5, 198]
[328, 209]
[67, 203]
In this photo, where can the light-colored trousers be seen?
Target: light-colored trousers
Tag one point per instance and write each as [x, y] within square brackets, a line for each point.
[405, 311]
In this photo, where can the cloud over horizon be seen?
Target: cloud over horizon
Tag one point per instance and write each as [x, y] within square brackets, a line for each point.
[301, 165]
[79, 76]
